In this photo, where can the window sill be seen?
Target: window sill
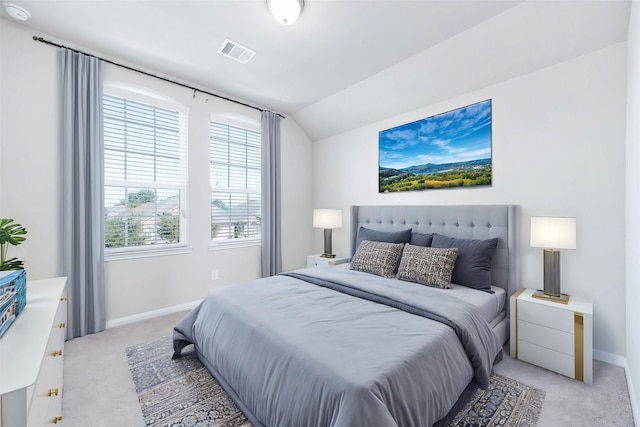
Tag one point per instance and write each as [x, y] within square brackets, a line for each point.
[146, 253]
[218, 245]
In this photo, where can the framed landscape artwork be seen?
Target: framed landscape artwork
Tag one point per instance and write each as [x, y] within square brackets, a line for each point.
[448, 150]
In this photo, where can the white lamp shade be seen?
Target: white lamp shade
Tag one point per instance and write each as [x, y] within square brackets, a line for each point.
[553, 232]
[285, 12]
[327, 218]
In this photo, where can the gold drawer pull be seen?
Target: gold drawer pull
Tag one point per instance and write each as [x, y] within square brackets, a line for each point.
[57, 353]
[56, 419]
[52, 392]
[62, 325]
[64, 299]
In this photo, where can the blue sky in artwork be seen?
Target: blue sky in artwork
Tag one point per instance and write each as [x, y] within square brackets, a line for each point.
[456, 136]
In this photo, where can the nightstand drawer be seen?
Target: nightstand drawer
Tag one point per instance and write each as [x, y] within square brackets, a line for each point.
[549, 359]
[319, 261]
[551, 317]
[542, 336]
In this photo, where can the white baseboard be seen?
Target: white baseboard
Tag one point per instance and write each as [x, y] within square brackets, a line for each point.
[611, 358]
[632, 397]
[151, 314]
[614, 359]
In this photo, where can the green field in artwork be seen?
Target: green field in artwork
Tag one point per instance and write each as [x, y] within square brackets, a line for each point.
[465, 174]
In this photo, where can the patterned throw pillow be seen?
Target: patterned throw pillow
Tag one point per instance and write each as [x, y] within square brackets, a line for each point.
[378, 258]
[428, 266]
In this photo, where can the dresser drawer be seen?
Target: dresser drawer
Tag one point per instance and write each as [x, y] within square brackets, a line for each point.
[543, 315]
[553, 339]
[546, 358]
[47, 393]
[54, 412]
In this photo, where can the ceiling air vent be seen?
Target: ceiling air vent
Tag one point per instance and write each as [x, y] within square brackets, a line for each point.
[235, 51]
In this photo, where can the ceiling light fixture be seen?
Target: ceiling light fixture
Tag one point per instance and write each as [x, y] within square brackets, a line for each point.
[16, 12]
[285, 12]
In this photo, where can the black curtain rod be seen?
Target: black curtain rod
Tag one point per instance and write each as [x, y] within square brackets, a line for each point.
[195, 89]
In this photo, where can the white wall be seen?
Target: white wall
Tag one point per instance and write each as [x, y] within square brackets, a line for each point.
[30, 165]
[296, 186]
[633, 205]
[558, 149]
[30, 185]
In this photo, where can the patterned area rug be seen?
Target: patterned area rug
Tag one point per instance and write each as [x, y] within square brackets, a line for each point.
[182, 393]
[506, 402]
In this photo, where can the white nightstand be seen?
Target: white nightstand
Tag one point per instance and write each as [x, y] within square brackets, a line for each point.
[318, 261]
[555, 336]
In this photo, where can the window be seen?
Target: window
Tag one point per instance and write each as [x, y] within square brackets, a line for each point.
[235, 163]
[145, 176]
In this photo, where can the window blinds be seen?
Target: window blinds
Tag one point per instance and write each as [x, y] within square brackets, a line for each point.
[235, 164]
[145, 174]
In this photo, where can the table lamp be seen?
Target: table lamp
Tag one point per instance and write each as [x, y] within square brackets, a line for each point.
[553, 234]
[327, 219]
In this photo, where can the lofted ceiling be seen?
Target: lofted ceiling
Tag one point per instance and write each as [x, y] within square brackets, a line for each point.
[344, 63]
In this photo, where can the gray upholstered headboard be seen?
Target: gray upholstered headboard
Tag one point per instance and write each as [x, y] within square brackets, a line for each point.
[464, 221]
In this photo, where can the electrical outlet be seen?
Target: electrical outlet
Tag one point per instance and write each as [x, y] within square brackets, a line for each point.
[214, 274]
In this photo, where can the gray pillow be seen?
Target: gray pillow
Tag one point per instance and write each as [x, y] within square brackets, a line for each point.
[403, 236]
[473, 265]
[378, 258]
[421, 239]
[427, 266]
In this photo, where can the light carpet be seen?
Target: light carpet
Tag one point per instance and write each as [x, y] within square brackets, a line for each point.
[182, 393]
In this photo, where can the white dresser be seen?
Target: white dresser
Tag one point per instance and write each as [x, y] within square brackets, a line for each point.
[555, 336]
[31, 358]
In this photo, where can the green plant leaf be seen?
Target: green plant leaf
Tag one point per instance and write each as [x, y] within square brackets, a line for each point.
[12, 264]
[11, 233]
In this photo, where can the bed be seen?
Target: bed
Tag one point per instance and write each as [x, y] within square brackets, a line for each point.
[345, 346]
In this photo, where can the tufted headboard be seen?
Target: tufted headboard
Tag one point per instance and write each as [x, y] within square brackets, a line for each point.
[464, 221]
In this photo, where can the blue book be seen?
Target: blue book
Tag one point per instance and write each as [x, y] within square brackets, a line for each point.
[13, 296]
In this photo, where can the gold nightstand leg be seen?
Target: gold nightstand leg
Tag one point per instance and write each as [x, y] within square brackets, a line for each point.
[578, 319]
[515, 318]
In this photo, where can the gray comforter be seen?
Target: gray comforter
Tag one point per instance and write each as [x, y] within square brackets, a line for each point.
[335, 347]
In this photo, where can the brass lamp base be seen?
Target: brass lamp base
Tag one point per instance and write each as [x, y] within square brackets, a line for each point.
[328, 256]
[562, 298]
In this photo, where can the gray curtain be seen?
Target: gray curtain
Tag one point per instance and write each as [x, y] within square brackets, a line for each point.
[83, 141]
[271, 239]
